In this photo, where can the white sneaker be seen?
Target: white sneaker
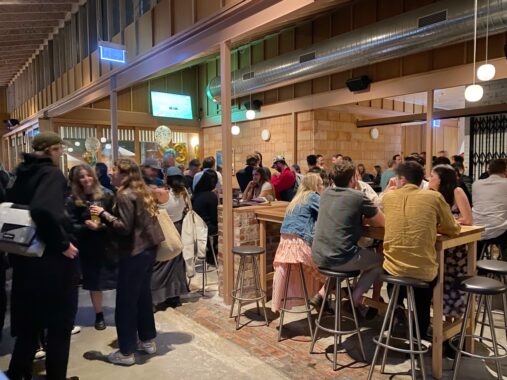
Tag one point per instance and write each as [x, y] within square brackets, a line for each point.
[75, 330]
[118, 358]
[149, 347]
[40, 354]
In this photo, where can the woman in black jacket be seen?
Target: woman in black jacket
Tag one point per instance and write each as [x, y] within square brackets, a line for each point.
[205, 204]
[137, 234]
[97, 266]
[44, 290]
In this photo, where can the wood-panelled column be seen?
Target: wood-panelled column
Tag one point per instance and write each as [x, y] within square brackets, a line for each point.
[429, 131]
[227, 217]
[114, 121]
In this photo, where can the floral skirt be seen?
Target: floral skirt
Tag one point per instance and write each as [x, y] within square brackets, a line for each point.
[455, 266]
[294, 250]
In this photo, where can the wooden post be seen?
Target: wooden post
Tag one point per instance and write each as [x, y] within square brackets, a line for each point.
[114, 121]
[227, 217]
[429, 131]
[295, 137]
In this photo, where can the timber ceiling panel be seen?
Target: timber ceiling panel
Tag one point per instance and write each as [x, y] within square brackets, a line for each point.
[24, 25]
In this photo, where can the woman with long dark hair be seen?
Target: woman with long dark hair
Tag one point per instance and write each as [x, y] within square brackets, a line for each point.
[98, 268]
[259, 186]
[444, 180]
[168, 281]
[136, 237]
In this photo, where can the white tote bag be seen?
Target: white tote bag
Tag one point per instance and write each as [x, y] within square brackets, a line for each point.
[194, 236]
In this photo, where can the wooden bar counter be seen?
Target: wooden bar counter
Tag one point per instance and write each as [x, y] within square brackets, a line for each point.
[441, 331]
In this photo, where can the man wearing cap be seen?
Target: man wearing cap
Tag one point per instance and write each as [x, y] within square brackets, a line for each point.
[44, 290]
[285, 181]
[151, 170]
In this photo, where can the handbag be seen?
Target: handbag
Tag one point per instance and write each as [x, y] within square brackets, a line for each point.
[194, 235]
[18, 233]
[172, 246]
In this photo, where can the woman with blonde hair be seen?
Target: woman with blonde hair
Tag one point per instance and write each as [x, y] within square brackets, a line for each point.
[295, 246]
[98, 268]
[137, 235]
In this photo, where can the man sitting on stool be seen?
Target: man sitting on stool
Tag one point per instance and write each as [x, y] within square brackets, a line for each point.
[339, 227]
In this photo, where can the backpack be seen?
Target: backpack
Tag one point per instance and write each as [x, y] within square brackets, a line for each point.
[194, 236]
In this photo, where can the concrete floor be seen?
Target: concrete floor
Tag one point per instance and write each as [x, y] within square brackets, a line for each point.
[192, 350]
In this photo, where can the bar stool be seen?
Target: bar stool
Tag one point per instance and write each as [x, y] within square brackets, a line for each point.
[488, 288]
[409, 284]
[308, 308]
[337, 331]
[497, 270]
[243, 252]
[204, 263]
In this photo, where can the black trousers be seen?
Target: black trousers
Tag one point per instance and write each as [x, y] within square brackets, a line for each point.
[134, 315]
[57, 354]
[423, 297]
[3, 294]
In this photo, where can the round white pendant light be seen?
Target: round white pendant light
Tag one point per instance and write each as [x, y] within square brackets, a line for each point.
[108, 146]
[70, 150]
[486, 72]
[250, 114]
[103, 140]
[473, 93]
[235, 130]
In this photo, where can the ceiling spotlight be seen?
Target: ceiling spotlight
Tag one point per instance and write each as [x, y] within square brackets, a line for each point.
[486, 72]
[235, 130]
[103, 140]
[250, 114]
[474, 92]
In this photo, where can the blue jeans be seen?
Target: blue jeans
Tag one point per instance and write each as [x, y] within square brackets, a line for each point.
[134, 314]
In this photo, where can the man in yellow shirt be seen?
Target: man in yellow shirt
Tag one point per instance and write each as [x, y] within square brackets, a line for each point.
[413, 217]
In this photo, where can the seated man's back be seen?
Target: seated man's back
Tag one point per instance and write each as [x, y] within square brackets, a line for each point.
[412, 218]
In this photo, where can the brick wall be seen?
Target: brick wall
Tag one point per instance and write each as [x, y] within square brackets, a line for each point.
[318, 132]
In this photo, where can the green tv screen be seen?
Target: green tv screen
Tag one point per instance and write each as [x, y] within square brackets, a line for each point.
[164, 104]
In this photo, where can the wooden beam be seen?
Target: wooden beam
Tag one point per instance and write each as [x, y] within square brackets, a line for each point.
[437, 115]
[391, 120]
[227, 216]
[429, 131]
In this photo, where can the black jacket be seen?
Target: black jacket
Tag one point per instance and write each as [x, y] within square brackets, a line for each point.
[244, 176]
[44, 290]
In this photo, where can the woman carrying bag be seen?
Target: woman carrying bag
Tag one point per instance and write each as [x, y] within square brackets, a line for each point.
[136, 233]
[168, 281]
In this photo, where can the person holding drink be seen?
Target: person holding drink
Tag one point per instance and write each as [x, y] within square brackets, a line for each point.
[98, 268]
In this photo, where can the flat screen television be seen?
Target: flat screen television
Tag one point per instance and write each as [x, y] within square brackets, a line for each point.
[165, 104]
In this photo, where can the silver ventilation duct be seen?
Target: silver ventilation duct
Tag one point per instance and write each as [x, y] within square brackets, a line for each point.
[429, 27]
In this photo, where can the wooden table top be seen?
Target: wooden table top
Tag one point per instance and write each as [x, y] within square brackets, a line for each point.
[276, 215]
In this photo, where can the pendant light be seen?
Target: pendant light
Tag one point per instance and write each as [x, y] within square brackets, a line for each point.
[250, 113]
[486, 71]
[474, 92]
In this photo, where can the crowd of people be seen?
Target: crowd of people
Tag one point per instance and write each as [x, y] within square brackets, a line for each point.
[102, 230]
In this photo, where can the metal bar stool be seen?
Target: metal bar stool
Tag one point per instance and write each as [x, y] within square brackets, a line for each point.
[413, 322]
[204, 263]
[337, 331]
[497, 270]
[243, 252]
[308, 308]
[488, 288]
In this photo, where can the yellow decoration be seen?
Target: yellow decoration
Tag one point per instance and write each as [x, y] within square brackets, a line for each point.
[88, 157]
[182, 154]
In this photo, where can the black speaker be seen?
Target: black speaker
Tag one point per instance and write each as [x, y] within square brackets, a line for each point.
[358, 83]
[256, 105]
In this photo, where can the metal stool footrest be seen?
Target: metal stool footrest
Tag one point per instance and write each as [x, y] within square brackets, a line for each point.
[397, 349]
[481, 339]
[247, 299]
[332, 331]
[305, 310]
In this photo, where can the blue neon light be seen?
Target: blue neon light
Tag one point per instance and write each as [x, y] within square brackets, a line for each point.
[112, 54]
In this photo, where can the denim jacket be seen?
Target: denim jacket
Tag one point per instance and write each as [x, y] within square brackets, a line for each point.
[301, 222]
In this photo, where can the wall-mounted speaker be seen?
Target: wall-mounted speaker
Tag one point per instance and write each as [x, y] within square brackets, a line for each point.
[358, 83]
[256, 105]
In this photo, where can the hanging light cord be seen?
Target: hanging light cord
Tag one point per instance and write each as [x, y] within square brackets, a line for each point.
[475, 38]
[487, 31]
